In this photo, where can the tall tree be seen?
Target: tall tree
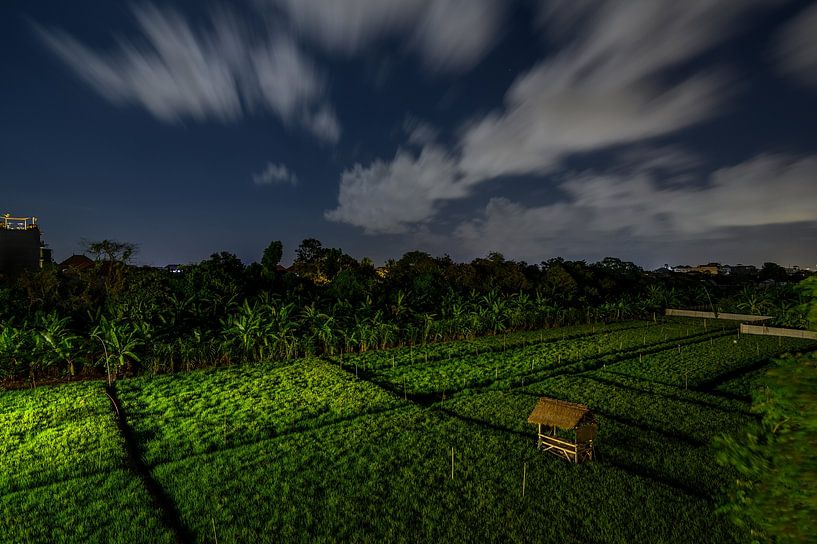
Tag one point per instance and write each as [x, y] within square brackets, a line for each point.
[272, 257]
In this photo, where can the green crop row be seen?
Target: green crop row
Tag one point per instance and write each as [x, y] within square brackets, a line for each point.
[388, 478]
[179, 415]
[501, 369]
[108, 507]
[63, 475]
[703, 363]
[422, 354]
[56, 433]
[631, 446]
[692, 422]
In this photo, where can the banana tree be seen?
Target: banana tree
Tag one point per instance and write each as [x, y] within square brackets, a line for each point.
[55, 342]
[120, 341]
[15, 350]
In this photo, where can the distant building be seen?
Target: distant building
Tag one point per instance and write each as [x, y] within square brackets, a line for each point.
[740, 270]
[76, 262]
[21, 248]
[712, 269]
[683, 268]
[174, 268]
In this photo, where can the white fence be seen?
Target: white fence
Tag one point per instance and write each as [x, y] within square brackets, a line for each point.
[777, 331]
[712, 315]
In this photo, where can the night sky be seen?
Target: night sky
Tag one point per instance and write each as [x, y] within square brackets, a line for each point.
[677, 132]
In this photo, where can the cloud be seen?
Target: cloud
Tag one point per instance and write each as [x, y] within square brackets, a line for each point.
[606, 84]
[449, 35]
[666, 159]
[453, 35]
[275, 174]
[390, 197]
[615, 211]
[222, 71]
[419, 132]
[797, 47]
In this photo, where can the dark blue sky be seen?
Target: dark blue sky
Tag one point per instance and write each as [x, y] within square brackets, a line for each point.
[656, 131]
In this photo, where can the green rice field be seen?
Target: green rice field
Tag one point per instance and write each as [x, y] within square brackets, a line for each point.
[416, 444]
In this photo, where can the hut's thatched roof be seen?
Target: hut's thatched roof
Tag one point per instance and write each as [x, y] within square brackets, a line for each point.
[558, 413]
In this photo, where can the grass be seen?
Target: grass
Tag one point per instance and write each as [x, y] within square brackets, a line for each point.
[308, 451]
[56, 433]
[180, 415]
[63, 475]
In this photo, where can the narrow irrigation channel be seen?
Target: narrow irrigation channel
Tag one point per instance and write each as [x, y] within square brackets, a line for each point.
[161, 500]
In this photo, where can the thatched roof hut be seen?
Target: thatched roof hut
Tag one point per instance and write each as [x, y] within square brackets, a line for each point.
[550, 414]
[558, 413]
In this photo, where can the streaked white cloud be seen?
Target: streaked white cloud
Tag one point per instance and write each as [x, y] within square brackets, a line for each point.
[390, 197]
[453, 35]
[419, 132]
[615, 210]
[275, 174]
[449, 35]
[797, 47]
[222, 71]
[604, 86]
[665, 159]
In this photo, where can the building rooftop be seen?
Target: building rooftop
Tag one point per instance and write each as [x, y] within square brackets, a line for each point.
[17, 223]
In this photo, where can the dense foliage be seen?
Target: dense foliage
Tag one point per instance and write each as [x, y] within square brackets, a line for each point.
[116, 319]
[775, 495]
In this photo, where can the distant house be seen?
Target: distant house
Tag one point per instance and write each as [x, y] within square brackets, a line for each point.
[174, 268]
[683, 268]
[712, 269]
[76, 262]
[740, 270]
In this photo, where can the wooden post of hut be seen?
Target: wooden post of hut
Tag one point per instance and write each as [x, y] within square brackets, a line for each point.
[574, 420]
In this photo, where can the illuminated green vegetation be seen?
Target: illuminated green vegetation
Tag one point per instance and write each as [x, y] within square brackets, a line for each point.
[63, 473]
[360, 449]
[199, 412]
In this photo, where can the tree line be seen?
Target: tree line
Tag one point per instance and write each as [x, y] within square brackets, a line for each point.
[117, 318]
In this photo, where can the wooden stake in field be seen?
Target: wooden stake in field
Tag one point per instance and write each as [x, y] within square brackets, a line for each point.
[524, 477]
[452, 462]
